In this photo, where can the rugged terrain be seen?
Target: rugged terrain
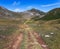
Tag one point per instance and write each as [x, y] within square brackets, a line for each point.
[31, 29]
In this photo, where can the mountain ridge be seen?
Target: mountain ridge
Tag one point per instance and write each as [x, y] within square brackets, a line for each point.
[32, 13]
[52, 14]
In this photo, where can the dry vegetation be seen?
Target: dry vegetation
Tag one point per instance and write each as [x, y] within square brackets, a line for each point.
[46, 28]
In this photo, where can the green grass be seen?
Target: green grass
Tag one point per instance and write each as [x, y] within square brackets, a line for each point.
[7, 28]
[52, 15]
[44, 28]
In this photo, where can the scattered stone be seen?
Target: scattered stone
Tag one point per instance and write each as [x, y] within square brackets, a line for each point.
[52, 33]
[44, 45]
[47, 35]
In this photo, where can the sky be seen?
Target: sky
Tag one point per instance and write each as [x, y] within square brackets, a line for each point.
[23, 5]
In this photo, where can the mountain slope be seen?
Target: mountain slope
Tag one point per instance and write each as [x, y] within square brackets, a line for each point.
[36, 11]
[52, 15]
[5, 13]
[32, 13]
[36, 34]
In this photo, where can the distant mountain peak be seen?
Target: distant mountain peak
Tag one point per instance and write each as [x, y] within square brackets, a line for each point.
[33, 10]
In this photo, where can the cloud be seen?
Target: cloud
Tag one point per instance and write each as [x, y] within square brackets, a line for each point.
[15, 3]
[29, 7]
[18, 10]
[49, 5]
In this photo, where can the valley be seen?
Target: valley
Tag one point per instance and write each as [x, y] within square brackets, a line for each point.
[31, 29]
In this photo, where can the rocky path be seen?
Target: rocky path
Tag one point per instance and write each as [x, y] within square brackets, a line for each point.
[16, 43]
[33, 40]
[40, 41]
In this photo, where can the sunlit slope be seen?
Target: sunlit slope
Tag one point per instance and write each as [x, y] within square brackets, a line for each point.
[52, 15]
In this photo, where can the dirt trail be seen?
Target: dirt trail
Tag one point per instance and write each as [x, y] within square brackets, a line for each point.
[16, 42]
[34, 44]
[40, 41]
[36, 41]
[32, 40]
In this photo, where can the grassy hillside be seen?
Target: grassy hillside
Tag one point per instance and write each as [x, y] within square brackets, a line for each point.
[52, 15]
[50, 28]
[13, 24]
[48, 25]
[7, 31]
